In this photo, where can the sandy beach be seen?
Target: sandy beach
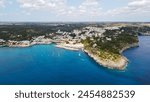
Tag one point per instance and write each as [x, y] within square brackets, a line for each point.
[121, 64]
[75, 47]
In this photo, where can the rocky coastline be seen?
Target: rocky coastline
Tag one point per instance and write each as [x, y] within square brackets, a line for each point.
[128, 47]
[121, 64]
[26, 43]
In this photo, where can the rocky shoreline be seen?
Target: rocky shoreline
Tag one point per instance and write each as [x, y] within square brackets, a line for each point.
[119, 65]
[129, 46]
[26, 43]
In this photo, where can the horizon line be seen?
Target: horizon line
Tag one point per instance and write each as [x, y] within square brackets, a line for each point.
[74, 21]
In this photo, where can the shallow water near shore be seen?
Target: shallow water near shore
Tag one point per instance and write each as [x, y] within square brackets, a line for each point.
[49, 65]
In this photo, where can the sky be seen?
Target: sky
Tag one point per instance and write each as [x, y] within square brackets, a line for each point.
[74, 10]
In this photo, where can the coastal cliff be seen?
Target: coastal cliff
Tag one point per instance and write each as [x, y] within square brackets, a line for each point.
[111, 61]
[128, 47]
[104, 43]
[107, 50]
[119, 63]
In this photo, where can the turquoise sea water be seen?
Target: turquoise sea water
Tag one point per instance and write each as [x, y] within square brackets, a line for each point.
[48, 65]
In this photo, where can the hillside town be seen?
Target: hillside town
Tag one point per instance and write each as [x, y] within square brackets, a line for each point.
[103, 42]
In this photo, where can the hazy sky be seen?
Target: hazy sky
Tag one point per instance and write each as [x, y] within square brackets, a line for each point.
[74, 10]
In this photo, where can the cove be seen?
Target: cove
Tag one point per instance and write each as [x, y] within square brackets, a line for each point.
[49, 65]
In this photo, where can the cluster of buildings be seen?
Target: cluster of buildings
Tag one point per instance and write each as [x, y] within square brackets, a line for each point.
[77, 35]
[73, 37]
[25, 43]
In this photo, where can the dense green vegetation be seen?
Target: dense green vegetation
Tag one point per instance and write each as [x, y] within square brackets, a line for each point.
[109, 46]
[28, 31]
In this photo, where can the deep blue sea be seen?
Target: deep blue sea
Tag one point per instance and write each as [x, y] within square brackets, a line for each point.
[48, 65]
